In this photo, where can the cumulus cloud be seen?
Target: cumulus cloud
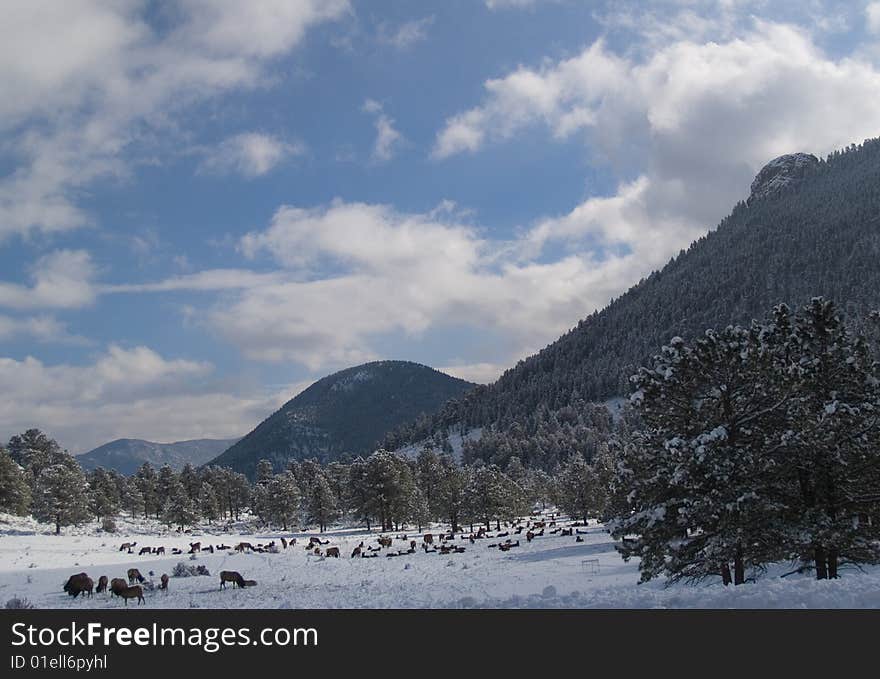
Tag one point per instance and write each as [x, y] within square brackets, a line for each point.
[693, 121]
[251, 154]
[61, 279]
[406, 34]
[44, 329]
[872, 14]
[387, 137]
[92, 79]
[124, 392]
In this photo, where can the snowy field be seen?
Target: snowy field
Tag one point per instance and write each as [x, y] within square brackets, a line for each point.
[550, 572]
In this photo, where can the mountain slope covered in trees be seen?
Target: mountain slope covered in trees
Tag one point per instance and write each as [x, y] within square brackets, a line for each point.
[345, 413]
[815, 233]
[126, 455]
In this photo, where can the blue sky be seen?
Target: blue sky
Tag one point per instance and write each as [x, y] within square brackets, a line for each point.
[204, 206]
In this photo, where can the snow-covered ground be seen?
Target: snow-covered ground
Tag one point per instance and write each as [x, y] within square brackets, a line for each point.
[549, 572]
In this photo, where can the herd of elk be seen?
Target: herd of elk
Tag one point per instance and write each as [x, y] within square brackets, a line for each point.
[81, 583]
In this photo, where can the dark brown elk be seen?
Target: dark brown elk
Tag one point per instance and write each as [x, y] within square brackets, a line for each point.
[159, 550]
[195, 547]
[567, 531]
[231, 576]
[209, 549]
[134, 574]
[333, 551]
[384, 542]
[412, 545]
[127, 546]
[530, 536]
[241, 546]
[117, 585]
[102, 584]
[356, 552]
[134, 592]
[506, 546]
[428, 539]
[317, 551]
[163, 582]
[284, 543]
[78, 584]
[578, 539]
[145, 550]
[175, 550]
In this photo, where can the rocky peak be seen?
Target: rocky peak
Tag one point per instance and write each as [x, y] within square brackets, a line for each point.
[780, 173]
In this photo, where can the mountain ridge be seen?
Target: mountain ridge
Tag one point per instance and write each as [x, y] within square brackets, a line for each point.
[345, 413]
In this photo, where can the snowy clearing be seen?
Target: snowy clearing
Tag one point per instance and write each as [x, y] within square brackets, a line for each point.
[550, 572]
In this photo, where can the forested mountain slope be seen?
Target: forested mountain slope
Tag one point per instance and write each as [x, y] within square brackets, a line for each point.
[345, 413]
[810, 227]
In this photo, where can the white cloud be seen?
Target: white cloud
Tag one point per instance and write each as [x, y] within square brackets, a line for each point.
[93, 81]
[406, 34]
[872, 14]
[694, 120]
[387, 137]
[61, 279]
[125, 393]
[45, 329]
[251, 154]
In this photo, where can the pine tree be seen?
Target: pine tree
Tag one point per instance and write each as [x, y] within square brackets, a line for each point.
[209, 506]
[61, 493]
[166, 484]
[147, 484]
[104, 497]
[15, 494]
[284, 500]
[179, 509]
[321, 503]
[132, 499]
[833, 458]
[580, 493]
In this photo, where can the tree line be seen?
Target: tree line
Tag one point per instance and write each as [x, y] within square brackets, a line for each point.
[384, 490]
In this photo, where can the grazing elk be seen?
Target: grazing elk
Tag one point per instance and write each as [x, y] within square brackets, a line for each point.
[356, 552]
[145, 550]
[578, 539]
[412, 545]
[78, 584]
[175, 550]
[102, 584]
[163, 582]
[134, 574]
[567, 531]
[231, 576]
[428, 539]
[134, 592]
[159, 550]
[195, 547]
[241, 546]
[117, 585]
[127, 547]
[384, 542]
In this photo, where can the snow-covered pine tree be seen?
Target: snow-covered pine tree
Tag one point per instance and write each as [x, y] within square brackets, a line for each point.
[580, 493]
[60, 494]
[209, 505]
[702, 474]
[147, 484]
[284, 500]
[104, 497]
[131, 498]
[179, 509]
[321, 503]
[833, 461]
[166, 484]
[15, 494]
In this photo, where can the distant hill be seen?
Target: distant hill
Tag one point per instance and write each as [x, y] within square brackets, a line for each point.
[345, 413]
[126, 455]
[810, 227]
